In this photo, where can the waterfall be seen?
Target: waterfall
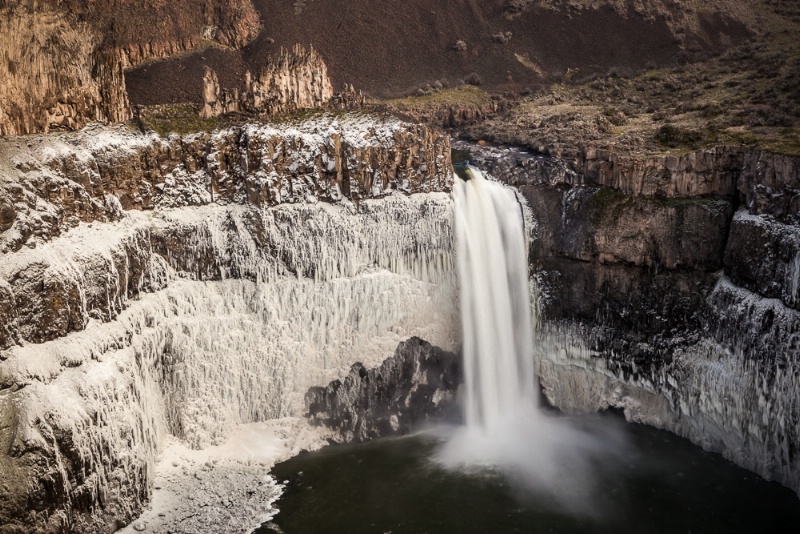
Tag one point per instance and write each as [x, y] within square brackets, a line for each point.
[495, 302]
[504, 429]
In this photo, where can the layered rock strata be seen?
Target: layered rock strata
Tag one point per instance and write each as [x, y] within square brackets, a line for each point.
[183, 299]
[54, 183]
[766, 183]
[670, 292]
[297, 79]
[416, 385]
[65, 60]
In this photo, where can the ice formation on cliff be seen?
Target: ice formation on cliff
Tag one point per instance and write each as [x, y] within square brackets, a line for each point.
[730, 392]
[257, 305]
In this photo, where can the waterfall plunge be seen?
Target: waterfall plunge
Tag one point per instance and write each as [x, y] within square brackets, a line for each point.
[505, 430]
[495, 303]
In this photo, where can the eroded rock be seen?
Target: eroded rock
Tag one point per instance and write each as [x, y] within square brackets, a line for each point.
[416, 385]
[95, 174]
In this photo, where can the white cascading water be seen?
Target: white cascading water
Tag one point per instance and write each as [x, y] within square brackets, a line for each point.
[495, 302]
[504, 428]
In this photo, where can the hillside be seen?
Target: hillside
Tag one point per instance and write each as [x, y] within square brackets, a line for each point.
[507, 45]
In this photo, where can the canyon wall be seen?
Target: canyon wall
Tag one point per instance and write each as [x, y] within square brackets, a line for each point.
[295, 80]
[670, 287]
[155, 288]
[53, 183]
[63, 61]
[54, 74]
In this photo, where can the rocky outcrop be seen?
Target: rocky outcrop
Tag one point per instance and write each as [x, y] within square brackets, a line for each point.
[147, 291]
[94, 175]
[54, 75]
[416, 385]
[348, 98]
[214, 102]
[297, 79]
[65, 60]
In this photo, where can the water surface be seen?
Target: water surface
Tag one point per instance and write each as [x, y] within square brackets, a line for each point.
[661, 483]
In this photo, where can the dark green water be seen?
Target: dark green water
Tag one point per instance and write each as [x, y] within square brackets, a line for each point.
[661, 483]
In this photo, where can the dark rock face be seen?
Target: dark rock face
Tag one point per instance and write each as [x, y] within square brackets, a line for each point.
[763, 255]
[417, 384]
[670, 290]
[766, 183]
[612, 251]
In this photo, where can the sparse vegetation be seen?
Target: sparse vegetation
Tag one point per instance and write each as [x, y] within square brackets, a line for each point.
[502, 37]
[463, 95]
[473, 78]
[185, 119]
[748, 95]
[177, 118]
[672, 136]
[515, 7]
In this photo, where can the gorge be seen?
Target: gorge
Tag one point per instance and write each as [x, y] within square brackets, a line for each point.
[211, 261]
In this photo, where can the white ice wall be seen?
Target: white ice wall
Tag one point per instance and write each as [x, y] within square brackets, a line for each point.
[303, 292]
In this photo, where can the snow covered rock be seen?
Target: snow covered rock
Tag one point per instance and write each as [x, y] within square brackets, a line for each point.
[133, 314]
[53, 182]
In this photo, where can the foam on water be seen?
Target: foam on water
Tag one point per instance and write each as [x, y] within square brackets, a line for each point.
[505, 429]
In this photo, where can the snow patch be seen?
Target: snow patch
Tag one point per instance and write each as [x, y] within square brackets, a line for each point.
[226, 488]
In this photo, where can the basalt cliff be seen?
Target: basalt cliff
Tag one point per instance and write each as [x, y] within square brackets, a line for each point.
[64, 61]
[158, 287]
[670, 292]
[198, 233]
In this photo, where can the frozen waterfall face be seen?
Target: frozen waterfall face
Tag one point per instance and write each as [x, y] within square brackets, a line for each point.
[154, 290]
[495, 303]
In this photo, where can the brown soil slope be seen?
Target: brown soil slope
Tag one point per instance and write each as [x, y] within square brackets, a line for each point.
[391, 47]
